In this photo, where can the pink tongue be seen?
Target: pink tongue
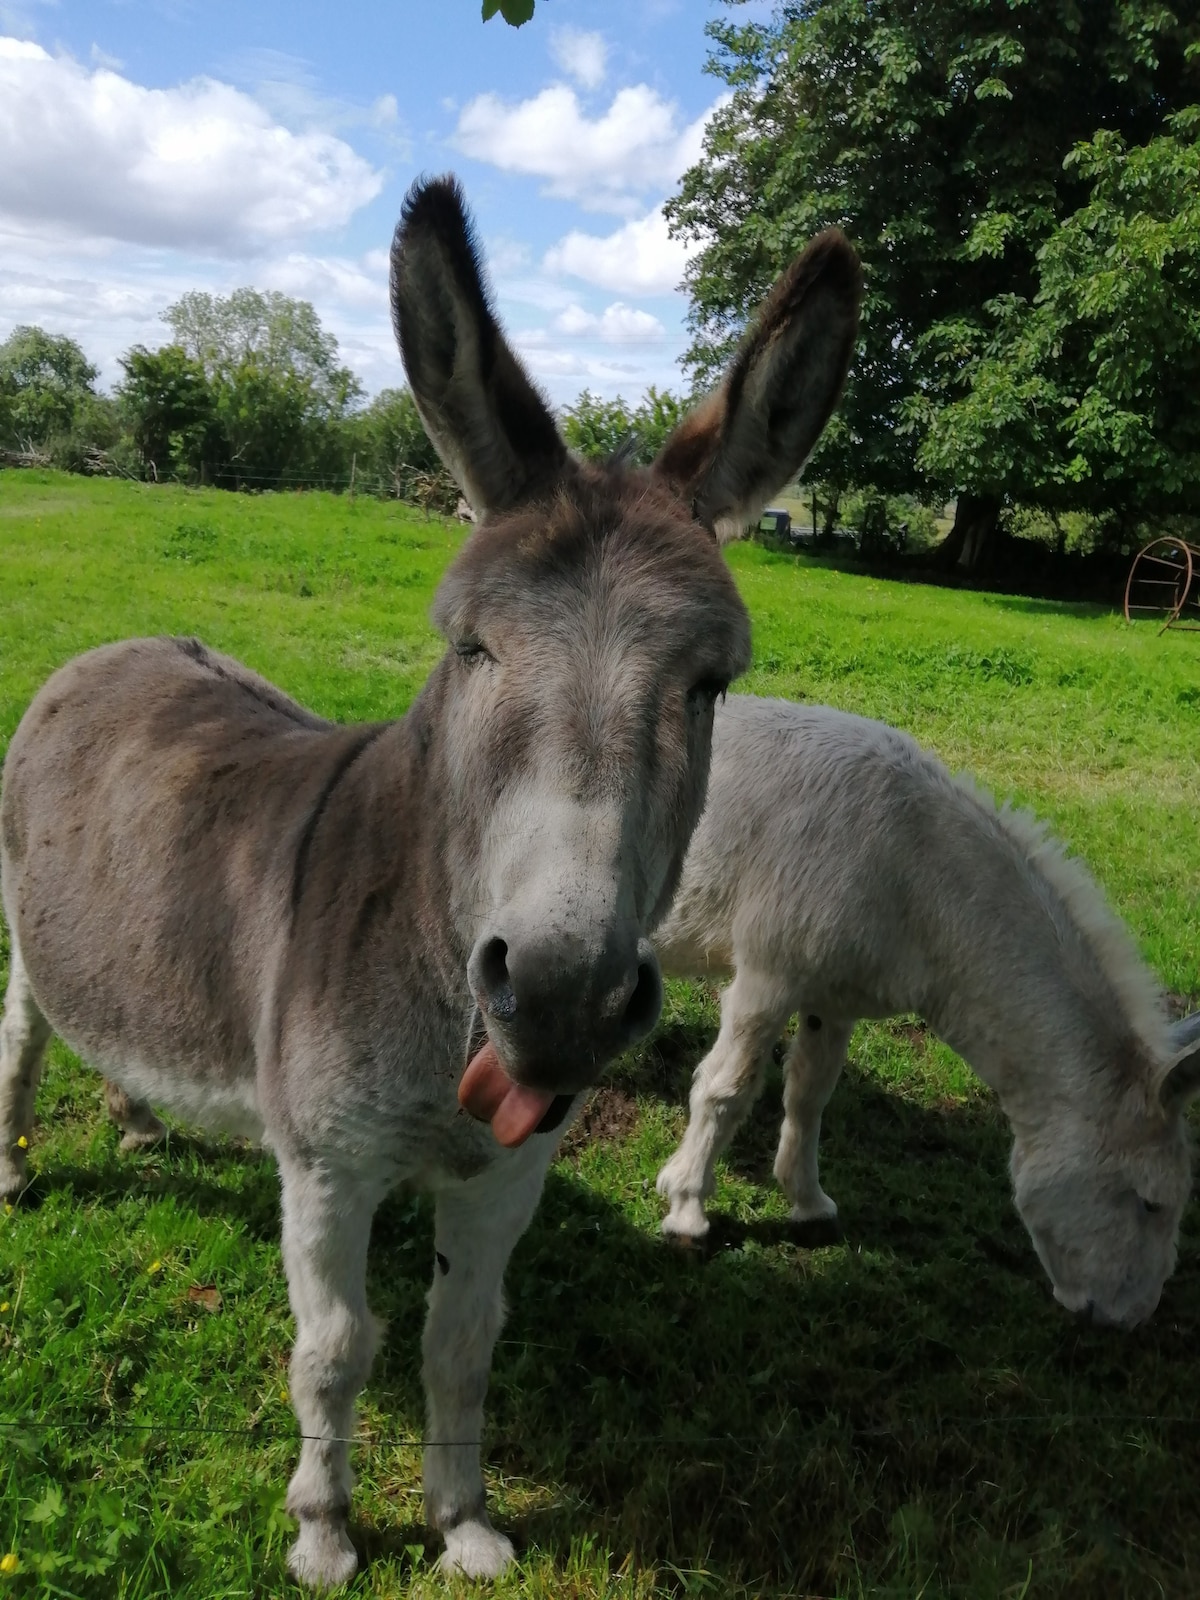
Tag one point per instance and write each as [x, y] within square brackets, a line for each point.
[490, 1095]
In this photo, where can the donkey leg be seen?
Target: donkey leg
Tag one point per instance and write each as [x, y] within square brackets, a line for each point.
[24, 1035]
[814, 1064]
[478, 1223]
[754, 1012]
[326, 1228]
[141, 1127]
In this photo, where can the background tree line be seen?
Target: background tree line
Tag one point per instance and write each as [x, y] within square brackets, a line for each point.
[250, 393]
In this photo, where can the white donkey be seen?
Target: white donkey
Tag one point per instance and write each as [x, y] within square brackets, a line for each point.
[840, 872]
[331, 937]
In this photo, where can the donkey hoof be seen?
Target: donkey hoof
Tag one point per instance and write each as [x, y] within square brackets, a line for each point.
[322, 1557]
[476, 1550]
[143, 1138]
[811, 1233]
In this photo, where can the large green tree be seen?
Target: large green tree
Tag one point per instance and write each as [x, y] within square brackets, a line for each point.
[45, 381]
[279, 392]
[940, 134]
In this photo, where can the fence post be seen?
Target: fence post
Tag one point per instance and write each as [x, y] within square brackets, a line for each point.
[353, 464]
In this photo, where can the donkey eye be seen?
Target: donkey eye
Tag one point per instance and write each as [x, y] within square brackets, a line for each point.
[708, 690]
[471, 651]
[1151, 1207]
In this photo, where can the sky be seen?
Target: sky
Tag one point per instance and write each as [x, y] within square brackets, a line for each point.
[148, 147]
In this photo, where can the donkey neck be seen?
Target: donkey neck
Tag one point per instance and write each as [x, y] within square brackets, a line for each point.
[1028, 974]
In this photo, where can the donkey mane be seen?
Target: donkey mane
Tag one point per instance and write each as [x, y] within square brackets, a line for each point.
[1077, 906]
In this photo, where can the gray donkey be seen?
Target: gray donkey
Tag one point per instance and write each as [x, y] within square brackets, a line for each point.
[841, 872]
[356, 942]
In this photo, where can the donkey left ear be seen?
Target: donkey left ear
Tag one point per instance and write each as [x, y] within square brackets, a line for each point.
[1182, 1081]
[755, 432]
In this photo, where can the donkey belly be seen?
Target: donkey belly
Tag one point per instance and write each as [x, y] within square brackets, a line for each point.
[141, 835]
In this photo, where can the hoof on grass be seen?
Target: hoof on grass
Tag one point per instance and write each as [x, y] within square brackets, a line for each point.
[322, 1557]
[476, 1550]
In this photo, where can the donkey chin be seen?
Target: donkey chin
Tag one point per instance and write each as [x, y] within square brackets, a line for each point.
[536, 1000]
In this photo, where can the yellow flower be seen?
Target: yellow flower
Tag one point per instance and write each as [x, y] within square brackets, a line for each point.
[22, 1143]
[7, 1209]
[283, 1394]
[155, 1266]
[3, 1308]
[9, 1563]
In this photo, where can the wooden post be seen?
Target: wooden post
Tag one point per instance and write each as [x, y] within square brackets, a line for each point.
[353, 465]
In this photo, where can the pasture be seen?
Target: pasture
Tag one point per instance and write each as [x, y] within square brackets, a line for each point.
[905, 1414]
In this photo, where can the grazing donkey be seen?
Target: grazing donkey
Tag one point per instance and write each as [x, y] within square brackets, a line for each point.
[840, 872]
[274, 925]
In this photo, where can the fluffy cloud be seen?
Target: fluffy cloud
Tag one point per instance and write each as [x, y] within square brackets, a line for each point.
[582, 56]
[617, 324]
[203, 166]
[603, 163]
[640, 258]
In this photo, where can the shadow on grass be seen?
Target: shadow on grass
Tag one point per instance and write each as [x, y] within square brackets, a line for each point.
[905, 1413]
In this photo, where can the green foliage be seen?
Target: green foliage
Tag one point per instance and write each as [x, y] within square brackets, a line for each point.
[1087, 394]
[171, 411]
[515, 12]
[44, 381]
[393, 450]
[957, 141]
[600, 428]
[908, 1414]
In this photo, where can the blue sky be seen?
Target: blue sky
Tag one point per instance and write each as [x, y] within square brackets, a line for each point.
[152, 146]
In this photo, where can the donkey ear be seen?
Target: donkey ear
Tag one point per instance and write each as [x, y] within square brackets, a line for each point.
[1182, 1081]
[486, 419]
[755, 432]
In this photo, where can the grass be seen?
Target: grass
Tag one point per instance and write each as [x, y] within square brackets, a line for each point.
[904, 1415]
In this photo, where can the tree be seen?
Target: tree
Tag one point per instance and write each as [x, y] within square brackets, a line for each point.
[937, 132]
[599, 428]
[515, 12]
[394, 455]
[1087, 396]
[279, 393]
[44, 381]
[171, 412]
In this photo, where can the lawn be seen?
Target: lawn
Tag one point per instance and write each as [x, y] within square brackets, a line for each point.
[907, 1414]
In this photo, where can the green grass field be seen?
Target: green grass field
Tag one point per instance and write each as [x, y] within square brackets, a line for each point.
[907, 1414]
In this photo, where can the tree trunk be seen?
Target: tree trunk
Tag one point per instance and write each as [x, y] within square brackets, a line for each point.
[831, 510]
[968, 544]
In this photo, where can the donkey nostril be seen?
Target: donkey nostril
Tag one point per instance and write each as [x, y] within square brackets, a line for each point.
[492, 969]
[646, 1000]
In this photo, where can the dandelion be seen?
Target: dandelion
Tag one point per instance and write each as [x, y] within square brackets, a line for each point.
[9, 1563]
[22, 1143]
[155, 1266]
[3, 1307]
[283, 1394]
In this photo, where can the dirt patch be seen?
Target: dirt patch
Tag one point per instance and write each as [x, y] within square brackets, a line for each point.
[610, 1114]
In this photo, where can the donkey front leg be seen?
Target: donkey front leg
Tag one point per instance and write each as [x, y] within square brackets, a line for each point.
[814, 1064]
[326, 1227]
[478, 1223]
[754, 1012]
[24, 1035]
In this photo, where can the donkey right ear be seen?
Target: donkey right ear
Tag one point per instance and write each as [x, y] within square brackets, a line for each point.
[1182, 1082]
[483, 413]
[755, 432]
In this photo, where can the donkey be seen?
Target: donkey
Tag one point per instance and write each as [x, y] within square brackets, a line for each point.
[840, 872]
[378, 948]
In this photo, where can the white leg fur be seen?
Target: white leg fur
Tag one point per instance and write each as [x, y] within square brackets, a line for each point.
[813, 1067]
[326, 1228]
[478, 1223]
[754, 1012]
[24, 1035]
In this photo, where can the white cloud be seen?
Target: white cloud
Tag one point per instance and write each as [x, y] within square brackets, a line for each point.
[639, 144]
[640, 258]
[202, 166]
[582, 56]
[617, 324]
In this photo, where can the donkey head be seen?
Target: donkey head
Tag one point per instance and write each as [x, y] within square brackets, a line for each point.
[592, 624]
[1102, 1195]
